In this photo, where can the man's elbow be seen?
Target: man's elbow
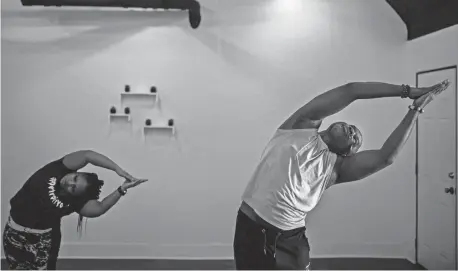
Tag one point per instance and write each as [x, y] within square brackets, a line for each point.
[350, 85]
[388, 161]
[353, 89]
[386, 157]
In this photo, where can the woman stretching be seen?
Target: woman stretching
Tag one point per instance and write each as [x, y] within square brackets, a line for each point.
[31, 239]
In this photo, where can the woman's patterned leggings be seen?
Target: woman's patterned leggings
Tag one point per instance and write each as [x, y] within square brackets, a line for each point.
[25, 250]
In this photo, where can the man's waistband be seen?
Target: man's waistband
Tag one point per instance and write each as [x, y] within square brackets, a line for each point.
[251, 213]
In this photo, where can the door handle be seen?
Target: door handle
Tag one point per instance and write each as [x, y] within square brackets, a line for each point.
[451, 175]
[450, 190]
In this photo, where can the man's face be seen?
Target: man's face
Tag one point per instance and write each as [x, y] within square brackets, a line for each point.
[345, 139]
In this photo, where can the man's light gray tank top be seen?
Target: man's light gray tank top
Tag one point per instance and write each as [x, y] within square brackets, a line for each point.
[291, 177]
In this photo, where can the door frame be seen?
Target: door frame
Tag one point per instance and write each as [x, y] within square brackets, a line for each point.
[456, 159]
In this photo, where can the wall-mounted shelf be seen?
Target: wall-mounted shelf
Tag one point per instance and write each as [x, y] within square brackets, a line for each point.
[141, 95]
[159, 127]
[120, 117]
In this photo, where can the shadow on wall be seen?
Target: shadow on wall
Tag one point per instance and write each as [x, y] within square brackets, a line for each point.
[65, 36]
[60, 37]
[94, 29]
[258, 68]
[285, 71]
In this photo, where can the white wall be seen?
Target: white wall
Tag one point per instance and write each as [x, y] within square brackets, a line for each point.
[228, 84]
[434, 51]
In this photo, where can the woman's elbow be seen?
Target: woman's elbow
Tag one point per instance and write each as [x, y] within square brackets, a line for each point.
[92, 212]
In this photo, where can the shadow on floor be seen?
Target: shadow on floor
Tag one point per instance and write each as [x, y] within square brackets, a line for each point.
[317, 264]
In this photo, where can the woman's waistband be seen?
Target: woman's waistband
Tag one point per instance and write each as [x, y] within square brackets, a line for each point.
[20, 228]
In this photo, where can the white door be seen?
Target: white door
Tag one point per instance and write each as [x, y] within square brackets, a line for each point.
[437, 167]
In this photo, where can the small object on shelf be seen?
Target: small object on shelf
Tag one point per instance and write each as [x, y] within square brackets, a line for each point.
[170, 122]
[127, 110]
[113, 110]
[148, 122]
[153, 89]
[127, 88]
[194, 15]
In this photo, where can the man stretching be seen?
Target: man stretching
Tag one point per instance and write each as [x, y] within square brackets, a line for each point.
[299, 163]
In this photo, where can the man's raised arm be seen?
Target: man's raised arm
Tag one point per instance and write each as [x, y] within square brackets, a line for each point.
[333, 101]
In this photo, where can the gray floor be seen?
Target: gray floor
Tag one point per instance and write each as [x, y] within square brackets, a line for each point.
[317, 264]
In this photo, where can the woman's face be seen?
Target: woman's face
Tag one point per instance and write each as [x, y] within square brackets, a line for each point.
[74, 184]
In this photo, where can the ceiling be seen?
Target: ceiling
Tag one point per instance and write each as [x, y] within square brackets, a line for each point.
[423, 17]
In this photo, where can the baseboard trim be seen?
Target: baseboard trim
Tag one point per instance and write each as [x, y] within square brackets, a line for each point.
[401, 250]
[203, 259]
[212, 259]
[216, 251]
[141, 258]
[225, 264]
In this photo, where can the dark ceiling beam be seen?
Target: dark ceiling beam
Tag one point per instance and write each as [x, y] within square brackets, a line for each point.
[192, 6]
[154, 4]
[423, 17]
[433, 20]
